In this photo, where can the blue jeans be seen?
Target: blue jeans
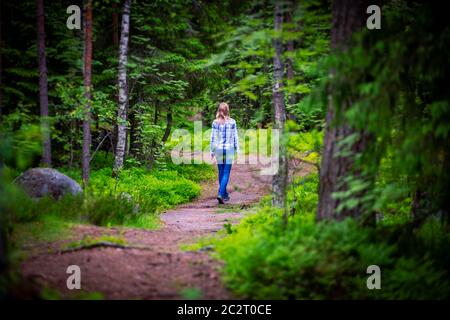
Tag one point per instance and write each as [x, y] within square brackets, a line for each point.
[224, 160]
[224, 176]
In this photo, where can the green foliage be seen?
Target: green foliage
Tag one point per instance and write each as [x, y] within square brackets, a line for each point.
[304, 146]
[107, 210]
[45, 228]
[302, 196]
[309, 113]
[388, 87]
[246, 50]
[136, 195]
[100, 210]
[196, 173]
[101, 160]
[266, 259]
[19, 139]
[137, 189]
[153, 192]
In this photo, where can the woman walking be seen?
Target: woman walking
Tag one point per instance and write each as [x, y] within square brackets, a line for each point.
[224, 144]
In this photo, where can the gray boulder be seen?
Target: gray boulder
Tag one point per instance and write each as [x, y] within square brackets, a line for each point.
[39, 182]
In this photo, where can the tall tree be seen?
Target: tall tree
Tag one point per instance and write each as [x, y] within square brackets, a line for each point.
[290, 50]
[43, 85]
[279, 180]
[348, 18]
[168, 126]
[1, 67]
[115, 25]
[136, 124]
[87, 90]
[123, 89]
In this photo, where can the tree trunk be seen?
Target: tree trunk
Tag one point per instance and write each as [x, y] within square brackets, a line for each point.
[136, 125]
[123, 94]
[348, 17]
[290, 50]
[43, 89]
[1, 66]
[115, 40]
[279, 180]
[115, 25]
[168, 126]
[155, 117]
[3, 253]
[87, 91]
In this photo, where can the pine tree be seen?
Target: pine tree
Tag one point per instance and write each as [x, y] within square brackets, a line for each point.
[43, 85]
[87, 90]
[348, 18]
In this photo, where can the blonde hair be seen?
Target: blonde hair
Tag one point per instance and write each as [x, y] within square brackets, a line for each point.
[223, 112]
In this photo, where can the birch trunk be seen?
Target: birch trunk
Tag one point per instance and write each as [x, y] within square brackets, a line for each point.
[123, 93]
[279, 180]
[43, 86]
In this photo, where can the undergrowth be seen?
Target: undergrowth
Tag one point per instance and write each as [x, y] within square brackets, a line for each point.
[266, 259]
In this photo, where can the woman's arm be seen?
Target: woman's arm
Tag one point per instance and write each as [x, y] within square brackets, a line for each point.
[236, 138]
[212, 142]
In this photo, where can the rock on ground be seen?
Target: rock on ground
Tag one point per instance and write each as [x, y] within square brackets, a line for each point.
[39, 182]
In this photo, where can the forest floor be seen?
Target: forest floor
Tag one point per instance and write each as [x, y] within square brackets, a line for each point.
[152, 265]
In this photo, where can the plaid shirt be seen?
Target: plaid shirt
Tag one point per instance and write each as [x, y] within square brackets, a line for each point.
[224, 136]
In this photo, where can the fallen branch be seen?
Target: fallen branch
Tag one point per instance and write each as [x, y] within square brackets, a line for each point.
[103, 244]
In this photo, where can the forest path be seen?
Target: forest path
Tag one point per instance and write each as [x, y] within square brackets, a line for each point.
[158, 268]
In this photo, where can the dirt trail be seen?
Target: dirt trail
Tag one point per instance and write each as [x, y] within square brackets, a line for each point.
[162, 270]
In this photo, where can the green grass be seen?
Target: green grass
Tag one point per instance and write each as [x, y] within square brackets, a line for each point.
[195, 172]
[51, 294]
[191, 293]
[148, 221]
[48, 228]
[199, 244]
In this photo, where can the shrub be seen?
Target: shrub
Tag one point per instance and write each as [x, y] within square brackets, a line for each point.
[264, 259]
[108, 210]
[153, 192]
[302, 196]
[196, 173]
[326, 261]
